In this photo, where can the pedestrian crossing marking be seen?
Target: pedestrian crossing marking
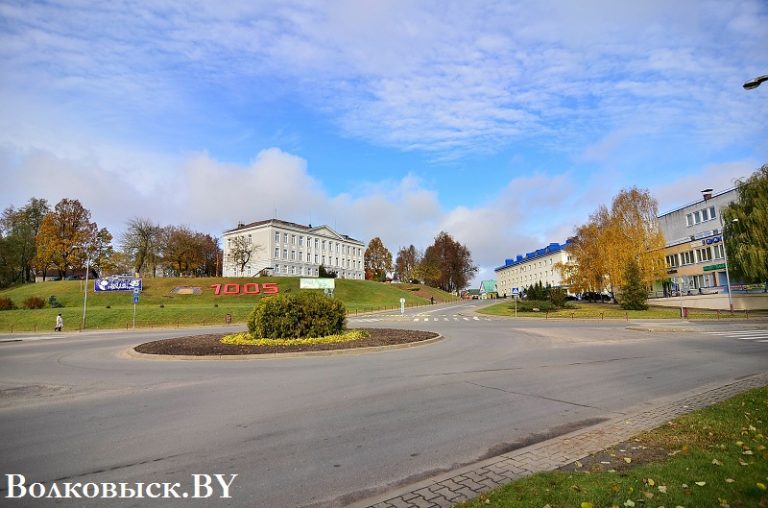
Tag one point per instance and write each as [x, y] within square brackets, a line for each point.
[419, 318]
[753, 335]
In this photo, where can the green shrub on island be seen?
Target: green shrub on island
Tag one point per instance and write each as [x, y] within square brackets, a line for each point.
[297, 315]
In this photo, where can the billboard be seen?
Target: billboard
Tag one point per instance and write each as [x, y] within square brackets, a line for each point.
[116, 283]
[317, 283]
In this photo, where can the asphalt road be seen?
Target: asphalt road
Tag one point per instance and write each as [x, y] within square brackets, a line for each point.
[327, 430]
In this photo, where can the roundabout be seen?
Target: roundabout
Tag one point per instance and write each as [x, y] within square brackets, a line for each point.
[210, 345]
[345, 426]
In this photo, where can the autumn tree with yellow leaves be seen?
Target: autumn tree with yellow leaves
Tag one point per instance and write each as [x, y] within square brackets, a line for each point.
[66, 237]
[601, 250]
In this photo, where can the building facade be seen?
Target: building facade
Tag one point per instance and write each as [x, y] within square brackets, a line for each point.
[695, 251]
[534, 267]
[280, 248]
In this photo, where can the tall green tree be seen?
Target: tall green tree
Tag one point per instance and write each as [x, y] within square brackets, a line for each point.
[454, 260]
[377, 259]
[634, 294]
[745, 228]
[18, 229]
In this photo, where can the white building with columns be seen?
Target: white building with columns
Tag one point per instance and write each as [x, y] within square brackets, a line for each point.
[280, 248]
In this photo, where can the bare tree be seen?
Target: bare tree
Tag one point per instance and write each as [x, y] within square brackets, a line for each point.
[406, 263]
[141, 241]
[241, 250]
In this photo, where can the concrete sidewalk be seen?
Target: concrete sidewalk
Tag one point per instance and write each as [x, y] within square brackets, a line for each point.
[451, 488]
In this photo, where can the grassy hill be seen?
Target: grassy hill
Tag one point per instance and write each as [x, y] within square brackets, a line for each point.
[159, 306]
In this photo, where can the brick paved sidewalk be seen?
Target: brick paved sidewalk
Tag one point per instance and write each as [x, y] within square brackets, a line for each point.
[468, 482]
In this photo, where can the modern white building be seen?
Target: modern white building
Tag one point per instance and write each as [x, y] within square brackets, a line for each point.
[695, 251]
[280, 248]
[537, 266]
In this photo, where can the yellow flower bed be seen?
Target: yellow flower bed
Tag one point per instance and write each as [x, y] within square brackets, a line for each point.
[245, 339]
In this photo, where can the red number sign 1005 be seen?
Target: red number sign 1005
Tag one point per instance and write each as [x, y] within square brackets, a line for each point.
[249, 288]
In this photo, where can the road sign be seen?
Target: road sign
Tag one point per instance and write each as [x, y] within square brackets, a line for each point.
[135, 298]
[515, 292]
[402, 305]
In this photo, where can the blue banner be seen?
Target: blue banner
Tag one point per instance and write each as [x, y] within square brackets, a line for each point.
[117, 284]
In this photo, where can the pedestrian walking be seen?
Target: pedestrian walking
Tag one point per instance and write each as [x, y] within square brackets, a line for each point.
[59, 323]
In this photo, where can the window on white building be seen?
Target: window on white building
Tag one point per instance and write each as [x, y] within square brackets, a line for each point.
[285, 237]
[277, 236]
[719, 251]
[277, 252]
[704, 254]
[285, 253]
[672, 260]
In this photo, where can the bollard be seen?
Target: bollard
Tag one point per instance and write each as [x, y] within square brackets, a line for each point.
[573, 315]
[746, 313]
[626, 316]
[602, 316]
[718, 314]
[546, 315]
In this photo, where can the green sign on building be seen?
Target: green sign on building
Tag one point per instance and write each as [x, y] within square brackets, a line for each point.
[709, 268]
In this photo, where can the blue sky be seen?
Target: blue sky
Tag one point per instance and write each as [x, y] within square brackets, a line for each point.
[503, 123]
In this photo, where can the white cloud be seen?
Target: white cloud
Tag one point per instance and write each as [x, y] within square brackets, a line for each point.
[445, 78]
[686, 189]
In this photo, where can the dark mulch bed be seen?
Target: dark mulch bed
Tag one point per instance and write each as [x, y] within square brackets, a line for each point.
[210, 345]
[615, 458]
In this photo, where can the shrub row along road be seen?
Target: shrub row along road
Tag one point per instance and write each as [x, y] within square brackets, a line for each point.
[329, 430]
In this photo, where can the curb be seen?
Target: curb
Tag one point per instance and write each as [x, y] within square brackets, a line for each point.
[448, 489]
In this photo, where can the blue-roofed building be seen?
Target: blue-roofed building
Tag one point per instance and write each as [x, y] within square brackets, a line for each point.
[527, 269]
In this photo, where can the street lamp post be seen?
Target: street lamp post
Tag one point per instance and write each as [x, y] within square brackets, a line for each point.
[754, 83]
[727, 271]
[85, 293]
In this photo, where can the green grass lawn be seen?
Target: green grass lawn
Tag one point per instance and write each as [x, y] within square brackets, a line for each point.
[584, 310]
[159, 307]
[715, 457]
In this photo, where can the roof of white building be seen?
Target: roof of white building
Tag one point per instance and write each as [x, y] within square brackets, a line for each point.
[292, 225]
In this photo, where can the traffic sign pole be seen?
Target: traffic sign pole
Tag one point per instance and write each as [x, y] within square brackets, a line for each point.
[515, 293]
[135, 301]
